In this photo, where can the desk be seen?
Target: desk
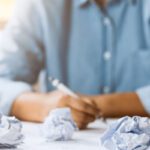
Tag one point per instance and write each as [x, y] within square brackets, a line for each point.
[82, 140]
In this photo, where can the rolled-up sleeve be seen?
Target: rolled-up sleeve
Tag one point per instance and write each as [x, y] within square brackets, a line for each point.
[21, 53]
[144, 95]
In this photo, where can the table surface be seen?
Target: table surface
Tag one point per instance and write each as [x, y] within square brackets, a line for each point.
[88, 139]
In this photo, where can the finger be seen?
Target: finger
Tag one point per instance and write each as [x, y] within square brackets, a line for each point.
[83, 107]
[81, 126]
[82, 117]
[89, 101]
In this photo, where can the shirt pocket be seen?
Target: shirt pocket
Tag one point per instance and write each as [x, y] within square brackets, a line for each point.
[133, 72]
[140, 61]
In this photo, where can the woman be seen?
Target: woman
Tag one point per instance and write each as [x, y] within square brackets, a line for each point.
[99, 48]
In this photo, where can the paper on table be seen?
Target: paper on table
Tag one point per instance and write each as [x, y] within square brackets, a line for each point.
[59, 125]
[128, 133]
[10, 132]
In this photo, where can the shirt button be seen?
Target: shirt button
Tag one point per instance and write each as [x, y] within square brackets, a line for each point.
[106, 89]
[106, 21]
[107, 55]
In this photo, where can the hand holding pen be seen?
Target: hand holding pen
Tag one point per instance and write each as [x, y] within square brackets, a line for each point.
[79, 104]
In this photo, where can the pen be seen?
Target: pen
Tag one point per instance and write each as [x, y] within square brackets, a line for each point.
[60, 86]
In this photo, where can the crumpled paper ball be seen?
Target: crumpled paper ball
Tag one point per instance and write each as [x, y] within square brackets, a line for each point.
[128, 133]
[59, 125]
[10, 132]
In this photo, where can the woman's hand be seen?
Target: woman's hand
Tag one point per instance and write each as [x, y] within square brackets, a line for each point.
[35, 107]
[119, 105]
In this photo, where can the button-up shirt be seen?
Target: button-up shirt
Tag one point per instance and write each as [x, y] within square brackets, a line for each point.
[90, 49]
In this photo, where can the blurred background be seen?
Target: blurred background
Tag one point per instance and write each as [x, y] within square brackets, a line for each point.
[6, 7]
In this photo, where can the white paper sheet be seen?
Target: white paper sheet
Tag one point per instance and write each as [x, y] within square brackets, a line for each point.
[81, 140]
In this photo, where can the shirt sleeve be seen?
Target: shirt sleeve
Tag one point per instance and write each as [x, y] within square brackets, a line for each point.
[144, 95]
[9, 91]
[21, 53]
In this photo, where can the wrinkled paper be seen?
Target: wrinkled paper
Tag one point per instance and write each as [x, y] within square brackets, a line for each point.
[59, 125]
[10, 132]
[128, 133]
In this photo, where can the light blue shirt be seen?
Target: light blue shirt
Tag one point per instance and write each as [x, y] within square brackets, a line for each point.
[91, 50]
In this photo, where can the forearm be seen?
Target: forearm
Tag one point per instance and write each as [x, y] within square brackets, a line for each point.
[35, 107]
[29, 107]
[120, 104]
